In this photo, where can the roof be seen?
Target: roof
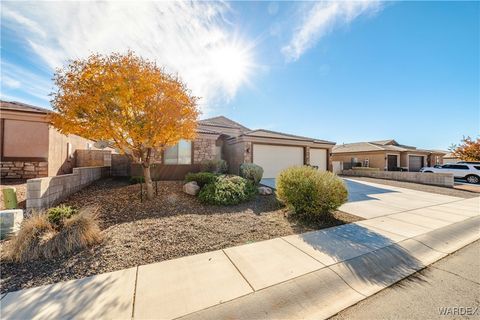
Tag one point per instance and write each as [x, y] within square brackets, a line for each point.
[381, 145]
[19, 106]
[222, 121]
[207, 131]
[280, 135]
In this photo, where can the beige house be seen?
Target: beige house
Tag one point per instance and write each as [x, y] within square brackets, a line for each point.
[222, 138]
[386, 155]
[30, 147]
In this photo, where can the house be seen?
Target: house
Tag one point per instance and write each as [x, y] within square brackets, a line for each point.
[222, 138]
[30, 147]
[386, 155]
[450, 158]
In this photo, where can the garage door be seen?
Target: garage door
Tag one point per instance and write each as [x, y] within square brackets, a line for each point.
[415, 163]
[274, 159]
[318, 158]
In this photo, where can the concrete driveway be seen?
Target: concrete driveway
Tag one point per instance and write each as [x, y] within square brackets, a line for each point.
[370, 200]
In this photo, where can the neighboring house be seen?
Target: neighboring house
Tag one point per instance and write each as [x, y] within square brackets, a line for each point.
[30, 147]
[450, 158]
[386, 155]
[222, 138]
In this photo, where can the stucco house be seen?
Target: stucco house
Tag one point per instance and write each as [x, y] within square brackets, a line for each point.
[222, 138]
[30, 147]
[386, 155]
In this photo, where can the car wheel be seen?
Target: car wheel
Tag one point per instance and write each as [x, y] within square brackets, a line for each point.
[428, 171]
[472, 178]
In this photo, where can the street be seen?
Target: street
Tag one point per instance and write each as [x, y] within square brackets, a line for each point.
[448, 289]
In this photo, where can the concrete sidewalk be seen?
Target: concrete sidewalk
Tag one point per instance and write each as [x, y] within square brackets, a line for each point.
[312, 275]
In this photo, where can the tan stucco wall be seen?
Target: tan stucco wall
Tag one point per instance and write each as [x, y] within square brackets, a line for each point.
[376, 159]
[59, 161]
[25, 139]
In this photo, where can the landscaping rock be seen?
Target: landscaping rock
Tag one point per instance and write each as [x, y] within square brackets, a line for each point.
[191, 188]
[265, 191]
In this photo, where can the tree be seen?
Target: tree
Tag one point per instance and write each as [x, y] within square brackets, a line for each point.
[127, 100]
[468, 150]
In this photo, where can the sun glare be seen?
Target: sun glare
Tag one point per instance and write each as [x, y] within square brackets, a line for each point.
[232, 64]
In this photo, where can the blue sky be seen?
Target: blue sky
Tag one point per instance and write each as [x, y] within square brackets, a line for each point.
[340, 71]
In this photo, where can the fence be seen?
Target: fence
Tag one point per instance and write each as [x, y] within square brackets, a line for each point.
[93, 158]
[436, 179]
[46, 192]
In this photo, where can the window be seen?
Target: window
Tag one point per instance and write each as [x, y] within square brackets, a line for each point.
[181, 153]
[477, 167]
[458, 166]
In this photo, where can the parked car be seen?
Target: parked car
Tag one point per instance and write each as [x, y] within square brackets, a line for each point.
[467, 171]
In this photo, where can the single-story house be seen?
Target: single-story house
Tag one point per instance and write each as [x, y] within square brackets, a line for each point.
[386, 155]
[222, 138]
[30, 147]
[450, 158]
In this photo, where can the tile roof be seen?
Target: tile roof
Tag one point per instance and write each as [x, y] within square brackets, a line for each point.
[382, 145]
[274, 134]
[221, 121]
[19, 106]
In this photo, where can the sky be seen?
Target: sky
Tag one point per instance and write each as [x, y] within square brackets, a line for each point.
[333, 70]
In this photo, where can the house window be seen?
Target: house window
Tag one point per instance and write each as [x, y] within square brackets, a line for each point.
[181, 153]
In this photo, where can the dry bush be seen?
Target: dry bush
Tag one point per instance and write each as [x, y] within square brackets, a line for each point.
[39, 238]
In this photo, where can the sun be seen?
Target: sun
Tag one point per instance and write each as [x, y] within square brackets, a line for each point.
[232, 64]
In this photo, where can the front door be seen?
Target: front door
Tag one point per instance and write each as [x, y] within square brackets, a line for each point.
[391, 162]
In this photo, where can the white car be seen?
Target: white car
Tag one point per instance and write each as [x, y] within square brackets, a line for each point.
[464, 170]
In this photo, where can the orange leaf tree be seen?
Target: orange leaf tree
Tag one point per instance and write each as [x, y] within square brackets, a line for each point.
[127, 100]
[468, 150]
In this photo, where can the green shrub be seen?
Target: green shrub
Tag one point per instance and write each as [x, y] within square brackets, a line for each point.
[311, 195]
[227, 190]
[252, 172]
[57, 215]
[201, 178]
[214, 166]
[137, 179]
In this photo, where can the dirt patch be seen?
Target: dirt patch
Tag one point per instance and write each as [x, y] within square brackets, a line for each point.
[20, 186]
[421, 187]
[170, 226]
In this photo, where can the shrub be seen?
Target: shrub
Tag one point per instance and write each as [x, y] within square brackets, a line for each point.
[56, 215]
[214, 166]
[227, 190]
[38, 238]
[252, 172]
[137, 179]
[310, 194]
[201, 178]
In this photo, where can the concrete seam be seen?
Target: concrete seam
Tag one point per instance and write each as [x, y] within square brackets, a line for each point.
[323, 264]
[455, 274]
[231, 261]
[415, 224]
[134, 292]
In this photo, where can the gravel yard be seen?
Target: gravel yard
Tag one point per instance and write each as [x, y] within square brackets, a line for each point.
[421, 187]
[170, 226]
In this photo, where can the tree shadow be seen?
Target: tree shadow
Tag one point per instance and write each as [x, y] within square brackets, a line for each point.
[363, 256]
[107, 295]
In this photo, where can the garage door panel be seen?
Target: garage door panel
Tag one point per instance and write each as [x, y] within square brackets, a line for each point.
[274, 159]
[415, 163]
[318, 158]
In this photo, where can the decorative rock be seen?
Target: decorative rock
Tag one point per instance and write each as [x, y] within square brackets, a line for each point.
[10, 221]
[191, 188]
[265, 191]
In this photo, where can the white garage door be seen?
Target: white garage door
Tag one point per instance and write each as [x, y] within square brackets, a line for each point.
[318, 157]
[274, 159]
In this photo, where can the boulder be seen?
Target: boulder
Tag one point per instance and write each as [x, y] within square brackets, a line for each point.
[191, 188]
[265, 191]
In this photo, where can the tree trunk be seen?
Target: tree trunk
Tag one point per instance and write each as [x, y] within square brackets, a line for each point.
[148, 180]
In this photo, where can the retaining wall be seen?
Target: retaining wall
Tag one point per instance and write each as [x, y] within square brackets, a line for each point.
[43, 193]
[435, 179]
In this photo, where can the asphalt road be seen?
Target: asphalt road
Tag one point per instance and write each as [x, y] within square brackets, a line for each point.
[448, 289]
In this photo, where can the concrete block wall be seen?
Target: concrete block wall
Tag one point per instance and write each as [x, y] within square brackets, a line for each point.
[45, 192]
[435, 179]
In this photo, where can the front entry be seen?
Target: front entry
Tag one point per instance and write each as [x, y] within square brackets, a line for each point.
[392, 162]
